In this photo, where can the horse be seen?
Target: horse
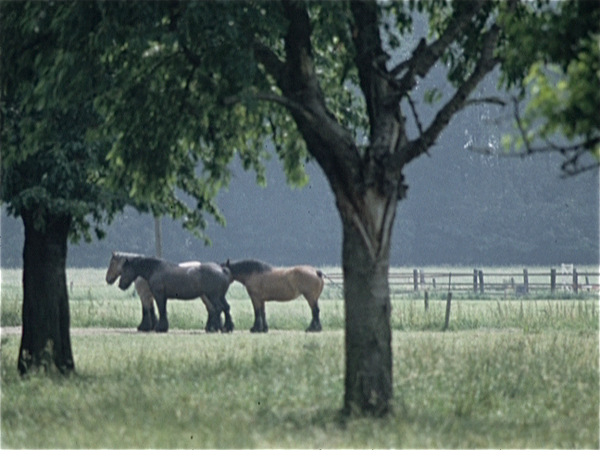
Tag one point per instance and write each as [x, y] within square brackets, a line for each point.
[264, 283]
[149, 319]
[156, 279]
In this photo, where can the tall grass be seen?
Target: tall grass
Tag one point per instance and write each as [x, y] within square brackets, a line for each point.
[284, 389]
[95, 304]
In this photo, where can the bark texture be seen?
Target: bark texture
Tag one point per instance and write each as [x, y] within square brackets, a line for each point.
[45, 341]
[368, 380]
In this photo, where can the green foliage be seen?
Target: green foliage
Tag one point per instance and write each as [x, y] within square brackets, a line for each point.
[550, 52]
[168, 109]
[48, 84]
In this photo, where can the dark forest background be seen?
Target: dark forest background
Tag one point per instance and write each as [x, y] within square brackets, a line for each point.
[462, 209]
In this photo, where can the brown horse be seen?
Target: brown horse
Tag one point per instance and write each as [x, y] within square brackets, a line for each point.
[264, 282]
[149, 320]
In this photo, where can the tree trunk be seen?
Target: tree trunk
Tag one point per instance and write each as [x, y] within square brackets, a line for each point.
[45, 340]
[368, 384]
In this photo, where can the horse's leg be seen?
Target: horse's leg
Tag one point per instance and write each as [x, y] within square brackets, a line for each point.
[258, 315]
[213, 322]
[313, 302]
[163, 322]
[148, 315]
[228, 328]
[315, 323]
[215, 318]
[265, 327]
[211, 326]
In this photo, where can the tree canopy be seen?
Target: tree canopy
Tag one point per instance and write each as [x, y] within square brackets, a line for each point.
[48, 88]
[552, 56]
[154, 91]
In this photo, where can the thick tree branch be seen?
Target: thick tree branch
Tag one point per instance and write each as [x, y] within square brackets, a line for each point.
[485, 64]
[415, 115]
[370, 59]
[328, 141]
[291, 105]
[425, 56]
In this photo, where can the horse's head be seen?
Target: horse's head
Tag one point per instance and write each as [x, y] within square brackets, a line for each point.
[128, 275]
[228, 274]
[114, 267]
[226, 267]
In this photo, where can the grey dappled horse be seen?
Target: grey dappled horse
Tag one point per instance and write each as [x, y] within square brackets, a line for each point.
[186, 281]
[264, 282]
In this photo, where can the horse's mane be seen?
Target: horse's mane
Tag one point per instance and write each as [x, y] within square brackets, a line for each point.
[249, 266]
[144, 264]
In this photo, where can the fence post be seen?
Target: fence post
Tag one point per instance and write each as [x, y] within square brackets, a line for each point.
[575, 283]
[426, 300]
[416, 279]
[475, 281]
[448, 303]
[552, 280]
[526, 280]
[481, 289]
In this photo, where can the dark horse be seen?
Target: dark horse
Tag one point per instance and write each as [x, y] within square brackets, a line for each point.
[264, 282]
[167, 280]
[149, 319]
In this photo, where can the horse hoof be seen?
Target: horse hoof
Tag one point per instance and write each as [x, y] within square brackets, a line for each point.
[314, 329]
[144, 328]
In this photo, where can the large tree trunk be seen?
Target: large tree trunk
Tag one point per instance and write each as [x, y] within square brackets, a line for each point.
[368, 384]
[45, 340]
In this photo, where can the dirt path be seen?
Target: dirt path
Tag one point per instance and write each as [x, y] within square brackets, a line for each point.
[92, 331]
[13, 331]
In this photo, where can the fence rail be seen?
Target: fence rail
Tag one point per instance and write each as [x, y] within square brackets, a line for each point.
[493, 282]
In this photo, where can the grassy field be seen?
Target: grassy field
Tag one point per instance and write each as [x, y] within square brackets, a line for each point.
[520, 373]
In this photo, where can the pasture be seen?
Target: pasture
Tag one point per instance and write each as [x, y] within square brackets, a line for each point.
[507, 373]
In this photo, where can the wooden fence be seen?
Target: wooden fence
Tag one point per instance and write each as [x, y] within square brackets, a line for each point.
[493, 282]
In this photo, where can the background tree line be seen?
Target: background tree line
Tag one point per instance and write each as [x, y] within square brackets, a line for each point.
[482, 211]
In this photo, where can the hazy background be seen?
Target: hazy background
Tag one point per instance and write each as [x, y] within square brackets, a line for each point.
[462, 208]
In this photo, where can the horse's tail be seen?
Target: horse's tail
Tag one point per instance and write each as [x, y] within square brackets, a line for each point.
[324, 275]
